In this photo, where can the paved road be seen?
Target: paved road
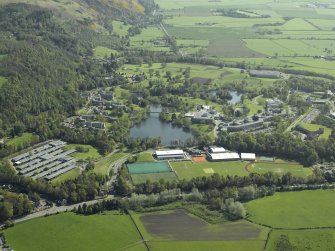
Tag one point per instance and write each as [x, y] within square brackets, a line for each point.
[116, 167]
[56, 209]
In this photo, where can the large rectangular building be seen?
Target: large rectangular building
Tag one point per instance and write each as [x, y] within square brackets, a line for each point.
[248, 156]
[223, 156]
[170, 154]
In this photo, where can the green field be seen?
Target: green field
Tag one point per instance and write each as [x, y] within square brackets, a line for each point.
[3, 80]
[188, 170]
[103, 166]
[316, 239]
[24, 140]
[103, 52]
[250, 245]
[292, 210]
[68, 231]
[295, 169]
[70, 175]
[145, 157]
[149, 167]
[315, 127]
[153, 177]
[91, 154]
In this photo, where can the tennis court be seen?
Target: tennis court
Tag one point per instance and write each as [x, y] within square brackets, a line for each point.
[199, 159]
[149, 167]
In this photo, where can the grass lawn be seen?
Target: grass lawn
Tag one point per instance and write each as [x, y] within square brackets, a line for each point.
[249, 245]
[24, 140]
[315, 127]
[295, 209]
[316, 239]
[70, 175]
[100, 52]
[68, 231]
[145, 157]
[103, 166]
[91, 154]
[281, 168]
[188, 170]
[3, 80]
[153, 177]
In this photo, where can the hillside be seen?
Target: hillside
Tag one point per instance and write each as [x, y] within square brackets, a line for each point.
[85, 9]
[46, 49]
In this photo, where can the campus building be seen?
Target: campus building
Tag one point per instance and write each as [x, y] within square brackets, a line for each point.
[223, 156]
[248, 156]
[170, 155]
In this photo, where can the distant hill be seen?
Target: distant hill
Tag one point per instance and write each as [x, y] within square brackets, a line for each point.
[92, 12]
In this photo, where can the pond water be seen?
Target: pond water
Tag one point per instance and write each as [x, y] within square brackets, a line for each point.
[236, 97]
[154, 127]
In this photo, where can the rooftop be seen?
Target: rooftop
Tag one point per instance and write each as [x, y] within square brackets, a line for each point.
[169, 152]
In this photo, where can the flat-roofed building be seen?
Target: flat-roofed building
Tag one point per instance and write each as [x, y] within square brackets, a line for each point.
[215, 149]
[224, 156]
[248, 156]
[170, 154]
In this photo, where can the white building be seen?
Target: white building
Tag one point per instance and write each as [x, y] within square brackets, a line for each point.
[248, 156]
[224, 156]
[170, 154]
[214, 149]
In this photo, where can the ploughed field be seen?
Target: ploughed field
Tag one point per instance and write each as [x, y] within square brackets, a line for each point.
[178, 225]
[179, 230]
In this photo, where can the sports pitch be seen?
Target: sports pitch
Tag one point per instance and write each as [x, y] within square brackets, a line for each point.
[149, 167]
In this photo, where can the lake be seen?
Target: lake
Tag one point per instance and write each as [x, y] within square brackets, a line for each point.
[154, 127]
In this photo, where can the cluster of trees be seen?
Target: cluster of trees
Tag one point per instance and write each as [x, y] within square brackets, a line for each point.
[240, 13]
[14, 205]
[144, 144]
[84, 187]
[280, 144]
[226, 201]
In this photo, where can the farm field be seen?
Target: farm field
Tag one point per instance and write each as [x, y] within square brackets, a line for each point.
[101, 52]
[292, 210]
[68, 231]
[316, 239]
[147, 39]
[176, 234]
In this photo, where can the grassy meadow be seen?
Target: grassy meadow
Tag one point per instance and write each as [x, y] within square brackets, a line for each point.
[316, 239]
[292, 210]
[68, 231]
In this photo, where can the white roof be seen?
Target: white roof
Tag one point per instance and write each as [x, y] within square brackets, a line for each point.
[225, 156]
[217, 149]
[248, 156]
[169, 152]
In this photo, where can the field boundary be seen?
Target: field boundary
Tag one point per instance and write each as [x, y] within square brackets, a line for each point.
[267, 239]
[138, 230]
